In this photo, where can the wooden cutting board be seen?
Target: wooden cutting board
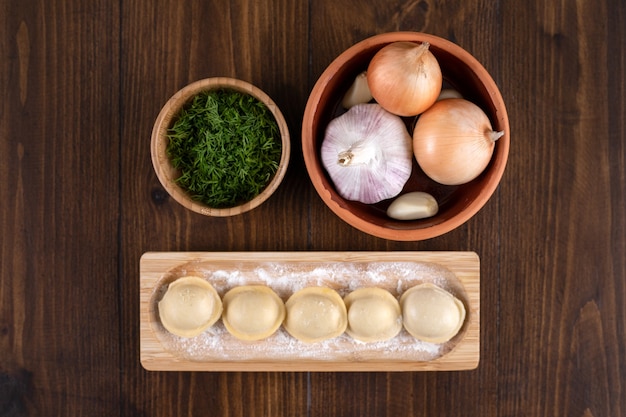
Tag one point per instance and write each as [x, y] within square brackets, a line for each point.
[285, 272]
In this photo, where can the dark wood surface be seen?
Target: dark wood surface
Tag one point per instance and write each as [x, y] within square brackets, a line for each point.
[81, 84]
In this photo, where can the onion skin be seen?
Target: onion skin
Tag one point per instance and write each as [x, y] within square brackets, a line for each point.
[404, 78]
[453, 141]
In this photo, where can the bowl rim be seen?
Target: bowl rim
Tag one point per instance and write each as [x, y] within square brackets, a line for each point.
[310, 150]
[158, 144]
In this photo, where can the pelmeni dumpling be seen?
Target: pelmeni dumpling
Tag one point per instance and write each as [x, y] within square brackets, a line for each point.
[431, 313]
[315, 314]
[190, 306]
[252, 312]
[373, 315]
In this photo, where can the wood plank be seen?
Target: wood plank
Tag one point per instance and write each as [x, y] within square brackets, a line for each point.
[59, 153]
[166, 45]
[566, 272]
[476, 26]
[286, 272]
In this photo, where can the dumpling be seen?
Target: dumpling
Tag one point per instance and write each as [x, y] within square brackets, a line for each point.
[315, 314]
[431, 313]
[373, 315]
[252, 312]
[190, 306]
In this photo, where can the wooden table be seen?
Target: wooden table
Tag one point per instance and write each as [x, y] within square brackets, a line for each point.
[82, 83]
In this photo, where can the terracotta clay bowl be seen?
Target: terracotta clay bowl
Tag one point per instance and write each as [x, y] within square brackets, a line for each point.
[457, 204]
[167, 174]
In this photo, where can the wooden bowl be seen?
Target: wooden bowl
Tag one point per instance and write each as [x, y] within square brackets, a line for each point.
[167, 174]
[457, 204]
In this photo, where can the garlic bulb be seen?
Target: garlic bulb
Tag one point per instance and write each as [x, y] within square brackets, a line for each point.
[367, 153]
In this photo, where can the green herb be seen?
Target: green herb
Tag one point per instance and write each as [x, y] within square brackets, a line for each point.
[227, 147]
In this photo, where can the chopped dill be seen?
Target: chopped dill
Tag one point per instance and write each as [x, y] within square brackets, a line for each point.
[227, 147]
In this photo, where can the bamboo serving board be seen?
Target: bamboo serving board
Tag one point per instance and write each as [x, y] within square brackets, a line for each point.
[285, 272]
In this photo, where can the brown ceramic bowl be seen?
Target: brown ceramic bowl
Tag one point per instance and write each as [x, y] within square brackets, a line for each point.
[457, 204]
[167, 174]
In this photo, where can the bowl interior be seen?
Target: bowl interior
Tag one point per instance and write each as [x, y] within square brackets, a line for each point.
[166, 172]
[456, 203]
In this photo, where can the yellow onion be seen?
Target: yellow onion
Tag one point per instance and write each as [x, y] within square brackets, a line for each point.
[404, 78]
[453, 141]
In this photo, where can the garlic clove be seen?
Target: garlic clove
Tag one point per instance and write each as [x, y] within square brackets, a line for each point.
[449, 93]
[413, 206]
[358, 93]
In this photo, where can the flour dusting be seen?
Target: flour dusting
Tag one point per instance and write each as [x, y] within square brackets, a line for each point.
[285, 278]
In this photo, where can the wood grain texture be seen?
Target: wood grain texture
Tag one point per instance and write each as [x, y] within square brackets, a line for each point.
[573, 228]
[82, 83]
[58, 276]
